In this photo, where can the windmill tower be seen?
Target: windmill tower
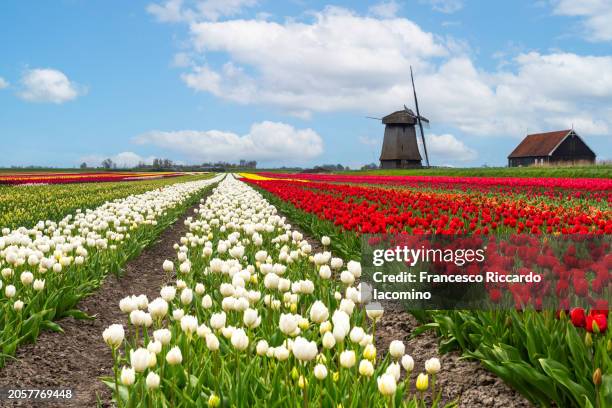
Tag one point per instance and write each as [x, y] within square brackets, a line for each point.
[400, 149]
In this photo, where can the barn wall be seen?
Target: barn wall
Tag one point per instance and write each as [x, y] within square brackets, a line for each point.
[524, 161]
[572, 149]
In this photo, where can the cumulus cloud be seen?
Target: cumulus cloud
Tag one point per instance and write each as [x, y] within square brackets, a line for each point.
[447, 147]
[48, 85]
[179, 10]
[3, 83]
[122, 160]
[597, 15]
[387, 9]
[266, 141]
[312, 66]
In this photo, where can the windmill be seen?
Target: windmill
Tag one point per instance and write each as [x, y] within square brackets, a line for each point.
[400, 148]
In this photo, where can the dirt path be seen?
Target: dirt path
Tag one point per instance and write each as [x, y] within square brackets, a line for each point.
[77, 358]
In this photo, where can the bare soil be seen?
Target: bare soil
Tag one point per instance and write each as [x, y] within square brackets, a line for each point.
[78, 357]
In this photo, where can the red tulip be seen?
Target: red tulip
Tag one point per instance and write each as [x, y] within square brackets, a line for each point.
[598, 320]
[578, 317]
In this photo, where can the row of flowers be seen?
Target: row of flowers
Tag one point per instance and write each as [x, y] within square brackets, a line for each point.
[495, 183]
[257, 317]
[64, 178]
[377, 210]
[46, 269]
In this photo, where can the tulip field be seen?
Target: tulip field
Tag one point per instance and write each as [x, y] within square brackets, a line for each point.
[47, 268]
[562, 356]
[261, 303]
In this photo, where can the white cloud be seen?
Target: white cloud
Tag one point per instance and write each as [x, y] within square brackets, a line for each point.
[445, 6]
[266, 141]
[313, 66]
[387, 9]
[48, 85]
[122, 160]
[316, 66]
[597, 15]
[178, 10]
[447, 147]
[3, 83]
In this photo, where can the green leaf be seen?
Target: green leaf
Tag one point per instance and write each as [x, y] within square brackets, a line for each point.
[561, 374]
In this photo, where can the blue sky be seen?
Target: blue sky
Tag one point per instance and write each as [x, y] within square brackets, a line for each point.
[290, 83]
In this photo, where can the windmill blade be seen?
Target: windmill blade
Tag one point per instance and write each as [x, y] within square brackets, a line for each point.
[424, 119]
[418, 114]
[371, 117]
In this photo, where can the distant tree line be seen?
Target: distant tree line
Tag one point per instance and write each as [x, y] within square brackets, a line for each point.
[169, 165]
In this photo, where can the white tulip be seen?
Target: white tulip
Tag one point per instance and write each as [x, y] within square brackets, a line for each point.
[128, 376]
[397, 349]
[432, 366]
[168, 266]
[168, 293]
[366, 368]
[320, 372]
[139, 359]
[152, 381]
[347, 358]
[386, 384]
[407, 363]
[304, 350]
[10, 291]
[262, 347]
[239, 339]
[212, 342]
[206, 302]
[26, 278]
[217, 320]
[174, 356]
[113, 335]
[189, 324]
[39, 284]
[318, 312]
[163, 336]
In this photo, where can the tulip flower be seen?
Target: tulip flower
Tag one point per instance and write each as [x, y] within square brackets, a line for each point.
[152, 381]
[386, 384]
[114, 335]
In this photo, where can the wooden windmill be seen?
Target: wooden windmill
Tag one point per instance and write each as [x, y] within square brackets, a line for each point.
[400, 149]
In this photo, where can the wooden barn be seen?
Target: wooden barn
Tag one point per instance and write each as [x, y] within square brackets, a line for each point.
[564, 146]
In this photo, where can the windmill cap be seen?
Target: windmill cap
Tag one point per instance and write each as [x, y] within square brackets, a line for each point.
[401, 117]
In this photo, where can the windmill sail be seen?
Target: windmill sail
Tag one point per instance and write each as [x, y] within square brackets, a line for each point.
[420, 119]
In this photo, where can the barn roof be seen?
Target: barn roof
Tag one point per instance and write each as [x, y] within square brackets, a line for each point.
[400, 117]
[539, 144]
